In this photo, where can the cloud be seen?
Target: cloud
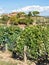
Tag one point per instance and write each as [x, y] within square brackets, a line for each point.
[41, 9]
[1, 11]
[33, 8]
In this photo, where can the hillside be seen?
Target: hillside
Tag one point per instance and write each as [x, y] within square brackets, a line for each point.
[21, 18]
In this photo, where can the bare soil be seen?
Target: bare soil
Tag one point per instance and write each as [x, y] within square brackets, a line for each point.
[6, 56]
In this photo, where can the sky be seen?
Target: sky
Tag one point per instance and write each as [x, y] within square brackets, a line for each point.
[7, 6]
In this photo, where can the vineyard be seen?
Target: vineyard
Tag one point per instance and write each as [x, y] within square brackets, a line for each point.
[24, 32]
[24, 37]
[34, 38]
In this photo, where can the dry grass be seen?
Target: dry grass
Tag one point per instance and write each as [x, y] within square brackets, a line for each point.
[5, 59]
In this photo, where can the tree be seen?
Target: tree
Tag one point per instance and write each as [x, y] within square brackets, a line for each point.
[35, 13]
[5, 18]
[29, 14]
[19, 14]
[13, 20]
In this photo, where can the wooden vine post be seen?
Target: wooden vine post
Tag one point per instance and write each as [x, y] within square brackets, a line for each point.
[25, 57]
[6, 47]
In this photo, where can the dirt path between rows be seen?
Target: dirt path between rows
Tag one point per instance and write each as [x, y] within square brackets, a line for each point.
[6, 56]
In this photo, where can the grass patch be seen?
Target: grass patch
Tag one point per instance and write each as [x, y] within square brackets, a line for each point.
[6, 63]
